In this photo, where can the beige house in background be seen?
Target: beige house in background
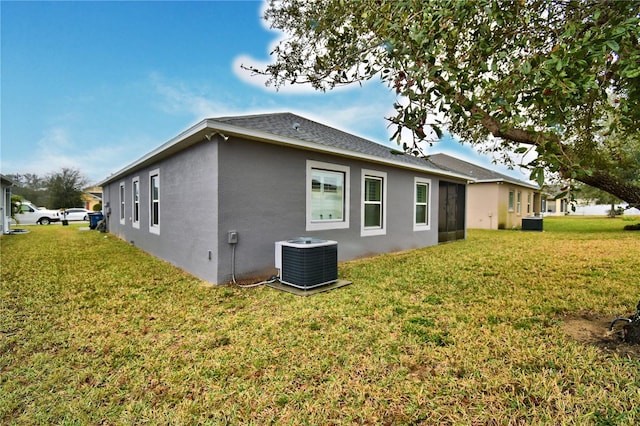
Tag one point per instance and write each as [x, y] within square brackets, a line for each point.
[91, 197]
[494, 200]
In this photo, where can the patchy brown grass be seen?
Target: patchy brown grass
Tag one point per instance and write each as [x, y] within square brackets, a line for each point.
[483, 331]
[593, 330]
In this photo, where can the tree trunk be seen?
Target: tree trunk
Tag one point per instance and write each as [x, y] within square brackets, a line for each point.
[601, 179]
[622, 189]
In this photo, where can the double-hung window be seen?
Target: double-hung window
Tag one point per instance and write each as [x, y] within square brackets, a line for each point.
[327, 196]
[121, 199]
[374, 195]
[421, 212]
[519, 202]
[512, 196]
[154, 201]
[135, 202]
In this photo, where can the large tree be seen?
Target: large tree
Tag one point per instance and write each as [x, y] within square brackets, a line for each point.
[31, 187]
[560, 77]
[65, 188]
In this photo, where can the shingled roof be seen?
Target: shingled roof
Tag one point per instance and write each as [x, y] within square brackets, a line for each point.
[294, 126]
[289, 130]
[473, 171]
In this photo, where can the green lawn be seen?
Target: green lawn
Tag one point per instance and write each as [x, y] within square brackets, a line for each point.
[94, 331]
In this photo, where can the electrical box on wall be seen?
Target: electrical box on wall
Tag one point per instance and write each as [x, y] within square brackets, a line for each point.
[233, 237]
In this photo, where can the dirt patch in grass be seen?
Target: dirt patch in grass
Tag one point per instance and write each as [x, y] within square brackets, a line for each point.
[591, 329]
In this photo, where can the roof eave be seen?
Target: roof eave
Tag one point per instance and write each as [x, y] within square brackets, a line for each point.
[197, 133]
[258, 135]
[189, 137]
[512, 182]
[5, 180]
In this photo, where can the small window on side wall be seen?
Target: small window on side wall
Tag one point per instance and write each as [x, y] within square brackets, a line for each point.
[154, 201]
[135, 204]
[374, 200]
[327, 196]
[421, 207]
[122, 204]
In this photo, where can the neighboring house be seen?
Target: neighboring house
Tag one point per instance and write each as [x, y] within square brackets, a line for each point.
[275, 177]
[91, 196]
[555, 201]
[5, 204]
[494, 200]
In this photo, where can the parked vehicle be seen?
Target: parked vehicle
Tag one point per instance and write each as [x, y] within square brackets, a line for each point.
[75, 213]
[29, 214]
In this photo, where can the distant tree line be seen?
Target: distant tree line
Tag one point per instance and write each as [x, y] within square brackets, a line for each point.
[56, 190]
[590, 194]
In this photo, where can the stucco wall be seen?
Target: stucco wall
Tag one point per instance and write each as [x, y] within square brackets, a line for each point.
[483, 205]
[188, 210]
[5, 207]
[258, 190]
[513, 218]
[262, 196]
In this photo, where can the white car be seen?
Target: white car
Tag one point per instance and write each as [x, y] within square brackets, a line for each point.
[75, 213]
[29, 214]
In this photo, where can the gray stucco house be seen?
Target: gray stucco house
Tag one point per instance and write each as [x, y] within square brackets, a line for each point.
[273, 177]
[5, 204]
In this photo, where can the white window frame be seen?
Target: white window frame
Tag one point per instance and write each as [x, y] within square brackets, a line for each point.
[121, 198]
[315, 225]
[528, 202]
[135, 203]
[373, 230]
[421, 226]
[154, 228]
[519, 203]
[512, 200]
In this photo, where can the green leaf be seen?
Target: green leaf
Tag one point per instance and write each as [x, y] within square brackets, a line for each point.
[437, 130]
[613, 45]
[537, 175]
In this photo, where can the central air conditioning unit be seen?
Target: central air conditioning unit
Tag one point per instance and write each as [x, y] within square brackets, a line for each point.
[307, 262]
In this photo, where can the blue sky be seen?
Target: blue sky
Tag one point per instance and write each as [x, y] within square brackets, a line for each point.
[96, 85]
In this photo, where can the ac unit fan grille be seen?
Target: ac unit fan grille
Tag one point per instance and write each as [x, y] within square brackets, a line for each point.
[309, 267]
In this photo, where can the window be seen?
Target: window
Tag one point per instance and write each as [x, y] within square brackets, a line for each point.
[327, 196]
[519, 203]
[374, 197]
[511, 200]
[121, 203]
[421, 213]
[154, 201]
[528, 202]
[135, 204]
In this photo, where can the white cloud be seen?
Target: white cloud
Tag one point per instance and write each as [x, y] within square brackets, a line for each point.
[60, 147]
[177, 98]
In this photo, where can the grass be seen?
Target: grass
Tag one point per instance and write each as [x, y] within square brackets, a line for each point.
[94, 331]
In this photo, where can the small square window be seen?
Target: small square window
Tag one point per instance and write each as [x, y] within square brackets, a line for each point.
[327, 196]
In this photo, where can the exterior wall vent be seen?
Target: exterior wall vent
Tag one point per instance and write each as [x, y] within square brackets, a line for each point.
[307, 262]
